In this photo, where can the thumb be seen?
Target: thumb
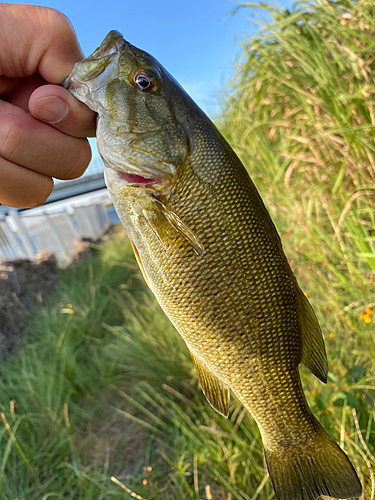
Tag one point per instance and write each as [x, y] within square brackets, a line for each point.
[56, 106]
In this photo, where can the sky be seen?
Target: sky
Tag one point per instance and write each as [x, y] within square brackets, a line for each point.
[195, 40]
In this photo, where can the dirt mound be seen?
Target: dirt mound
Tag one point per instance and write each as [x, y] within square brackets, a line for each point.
[23, 285]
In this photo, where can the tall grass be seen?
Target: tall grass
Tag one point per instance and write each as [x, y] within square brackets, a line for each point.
[101, 386]
[300, 114]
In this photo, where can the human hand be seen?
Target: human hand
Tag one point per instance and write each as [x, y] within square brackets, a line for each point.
[43, 128]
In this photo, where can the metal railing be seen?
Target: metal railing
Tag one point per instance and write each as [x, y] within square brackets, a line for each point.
[24, 235]
[92, 180]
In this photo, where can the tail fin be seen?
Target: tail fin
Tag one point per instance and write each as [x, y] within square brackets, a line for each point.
[324, 469]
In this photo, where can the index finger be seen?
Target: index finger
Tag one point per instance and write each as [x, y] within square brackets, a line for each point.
[48, 44]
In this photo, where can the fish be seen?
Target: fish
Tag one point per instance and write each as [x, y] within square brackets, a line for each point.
[211, 255]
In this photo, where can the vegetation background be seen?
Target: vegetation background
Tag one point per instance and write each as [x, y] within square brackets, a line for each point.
[100, 385]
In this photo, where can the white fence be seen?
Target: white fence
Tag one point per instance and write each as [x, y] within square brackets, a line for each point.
[25, 235]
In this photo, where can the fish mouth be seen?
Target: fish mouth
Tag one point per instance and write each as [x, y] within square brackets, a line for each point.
[113, 176]
[138, 180]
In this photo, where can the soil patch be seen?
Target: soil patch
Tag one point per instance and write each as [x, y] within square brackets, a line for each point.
[23, 286]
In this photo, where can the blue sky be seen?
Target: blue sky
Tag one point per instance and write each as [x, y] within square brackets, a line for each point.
[196, 40]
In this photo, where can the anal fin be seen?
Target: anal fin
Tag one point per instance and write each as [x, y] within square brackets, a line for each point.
[216, 392]
[314, 356]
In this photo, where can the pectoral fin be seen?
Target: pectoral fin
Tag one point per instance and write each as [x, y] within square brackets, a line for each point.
[314, 356]
[178, 225]
[216, 392]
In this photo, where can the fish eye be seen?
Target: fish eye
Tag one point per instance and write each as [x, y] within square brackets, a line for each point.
[146, 82]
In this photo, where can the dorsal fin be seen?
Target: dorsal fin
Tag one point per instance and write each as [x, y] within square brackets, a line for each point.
[216, 392]
[313, 356]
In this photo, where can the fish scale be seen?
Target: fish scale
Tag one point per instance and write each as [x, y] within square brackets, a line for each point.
[210, 253]
[227, 330]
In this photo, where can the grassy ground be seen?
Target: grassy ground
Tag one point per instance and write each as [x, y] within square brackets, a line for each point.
[103, 386]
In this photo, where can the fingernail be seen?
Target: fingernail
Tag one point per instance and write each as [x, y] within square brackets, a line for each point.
[50, 109]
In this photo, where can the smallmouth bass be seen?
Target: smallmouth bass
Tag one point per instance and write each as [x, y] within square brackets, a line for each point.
[211, 255]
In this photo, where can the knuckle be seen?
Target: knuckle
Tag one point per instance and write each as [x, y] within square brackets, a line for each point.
[40, 193]
[57, 21]
[80, 161]
[11, 137]
[59, 28]
[52, 21]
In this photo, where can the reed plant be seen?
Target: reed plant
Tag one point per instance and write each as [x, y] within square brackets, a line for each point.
[100, 399]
